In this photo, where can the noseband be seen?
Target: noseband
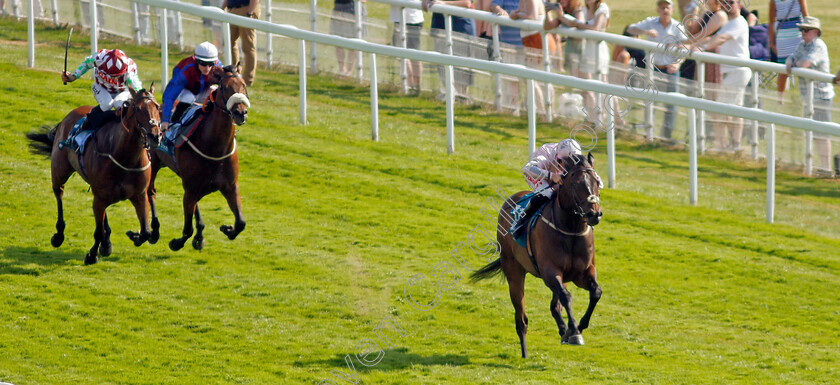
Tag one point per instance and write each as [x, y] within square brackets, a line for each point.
[224, 105]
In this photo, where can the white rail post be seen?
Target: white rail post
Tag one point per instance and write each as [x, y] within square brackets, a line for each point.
[54, 4]
[179, 35]
[30, 32]
[228, 50]
[497, 57]
[94, 29]
[532, 118]
[135, 23]
[313, 52]
[701, 115]
[771, 171]
[549, 88]
[16, 9]
[302, 76]
[450, 110]
[611, 151]
[649, 111]
[374, 100]
[403, 61]
[269, 48]
[809, 135]
[164, 48]
[754, 144]
[692, 156]
[359, 57]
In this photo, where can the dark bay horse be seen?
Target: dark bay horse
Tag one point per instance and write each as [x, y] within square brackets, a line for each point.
[115, 164]
[563, 246]
[208, 160]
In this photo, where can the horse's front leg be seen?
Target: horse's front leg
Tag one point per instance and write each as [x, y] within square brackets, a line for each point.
[190, 204]
[231, 193]
[99, 232]
[151, 194]
[141, 207]
[589, 282]
[198, 240]
[554, 280]
[106, 247]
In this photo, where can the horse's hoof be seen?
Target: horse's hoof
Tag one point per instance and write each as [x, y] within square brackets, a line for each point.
[57, 239]
[229, 231]
[105, 249]
[198, 243]
[90, 259]
[576, 339]
[176, 244]
[137, 238]
[154, 236]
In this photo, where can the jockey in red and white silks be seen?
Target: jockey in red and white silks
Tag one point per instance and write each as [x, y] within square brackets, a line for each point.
[114, 72]
[546, 167]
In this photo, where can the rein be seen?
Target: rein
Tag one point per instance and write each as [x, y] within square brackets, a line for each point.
[143, 131]
[217, 102]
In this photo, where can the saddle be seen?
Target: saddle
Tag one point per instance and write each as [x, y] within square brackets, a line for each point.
[180, 130]
[79, 135]
[518, 211]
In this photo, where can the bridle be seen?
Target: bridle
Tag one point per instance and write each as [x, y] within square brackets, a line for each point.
[222, 104]
[590, 197]
[151, 123]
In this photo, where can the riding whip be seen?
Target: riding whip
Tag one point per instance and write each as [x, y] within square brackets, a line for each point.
[66, 46]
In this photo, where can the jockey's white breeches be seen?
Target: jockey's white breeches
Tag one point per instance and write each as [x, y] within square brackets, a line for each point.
[540, 186]
[108, 101]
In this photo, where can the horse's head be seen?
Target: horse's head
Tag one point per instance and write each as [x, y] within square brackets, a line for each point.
[144, 110]
[232, 94]
[581, 189]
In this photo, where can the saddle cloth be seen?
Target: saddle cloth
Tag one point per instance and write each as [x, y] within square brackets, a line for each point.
[77, 138]
[518, 214]
[174, 137]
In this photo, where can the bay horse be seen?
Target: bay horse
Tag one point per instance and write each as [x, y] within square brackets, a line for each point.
[562, 244]
[208, 160]
[115, 165]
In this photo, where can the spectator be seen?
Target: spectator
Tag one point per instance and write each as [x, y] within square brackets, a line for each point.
[597, 17]
[461, 43]
[733, 40]
[813, 53]
[659, 29]
[413, 27]
[782, 35]
[509, 36]
[247, 37]
[343, 23]
[750, 17]
[572, 47]
[623, 57]
[707, 25]
[532, 40]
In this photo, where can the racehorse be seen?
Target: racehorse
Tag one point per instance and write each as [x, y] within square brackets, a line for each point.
[563, 248]
[208, 160]
[115, 165]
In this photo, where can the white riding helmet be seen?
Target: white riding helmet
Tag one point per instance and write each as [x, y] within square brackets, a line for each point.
[207, 52]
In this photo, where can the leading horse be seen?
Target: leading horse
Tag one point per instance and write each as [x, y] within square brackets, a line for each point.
[562, 244]
[208, 160]
[115, 164]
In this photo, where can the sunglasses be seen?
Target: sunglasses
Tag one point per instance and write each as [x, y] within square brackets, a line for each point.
[806, 30]
[205, 63]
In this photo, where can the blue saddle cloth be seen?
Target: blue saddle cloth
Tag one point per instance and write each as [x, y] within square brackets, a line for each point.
[173, 136]
[77, 138]
[517, 212]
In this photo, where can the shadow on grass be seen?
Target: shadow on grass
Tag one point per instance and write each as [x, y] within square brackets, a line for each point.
[17, 260]
[400, 358]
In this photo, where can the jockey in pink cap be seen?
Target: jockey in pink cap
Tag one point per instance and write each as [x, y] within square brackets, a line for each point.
[114, 72]
[543, 172]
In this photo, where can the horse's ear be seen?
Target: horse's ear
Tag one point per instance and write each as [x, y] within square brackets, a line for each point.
[590, 159]
[132, 91]
[152, 88]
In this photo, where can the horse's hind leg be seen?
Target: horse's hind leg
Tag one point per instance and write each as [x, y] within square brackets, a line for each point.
[61, 171]
[231, 194]
[106, 247]
[99, 216]
[190, 205]
[141, 207]
[515, 275]
[151, 193]
[198, 240]
[590, 283]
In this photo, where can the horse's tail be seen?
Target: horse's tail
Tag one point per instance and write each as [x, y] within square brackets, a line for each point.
[490, 270]
[41, 140]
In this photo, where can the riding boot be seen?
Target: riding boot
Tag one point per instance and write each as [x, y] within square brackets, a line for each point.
[93, 120]
[533, 205]
[179, 111]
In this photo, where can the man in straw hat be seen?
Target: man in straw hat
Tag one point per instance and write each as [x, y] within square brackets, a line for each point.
[812, 53]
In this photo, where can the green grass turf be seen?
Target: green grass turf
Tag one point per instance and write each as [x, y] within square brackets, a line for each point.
[337, 224]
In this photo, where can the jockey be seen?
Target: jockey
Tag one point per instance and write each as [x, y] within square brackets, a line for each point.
[543, 172]
[189, 79]
[113, 74]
